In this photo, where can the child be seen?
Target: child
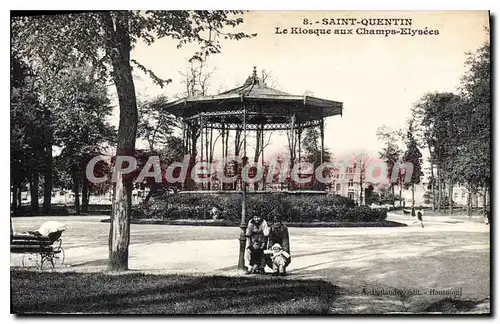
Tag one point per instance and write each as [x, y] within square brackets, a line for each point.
[256, 256]
[279, 258]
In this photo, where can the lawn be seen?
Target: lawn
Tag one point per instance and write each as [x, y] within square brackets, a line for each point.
[36, 292]
[449, 253]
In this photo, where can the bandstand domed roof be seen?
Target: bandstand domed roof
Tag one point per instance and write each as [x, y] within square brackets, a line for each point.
[263, 104]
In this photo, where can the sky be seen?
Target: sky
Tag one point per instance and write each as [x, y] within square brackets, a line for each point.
[377, 78]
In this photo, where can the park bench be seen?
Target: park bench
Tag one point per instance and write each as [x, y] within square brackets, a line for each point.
[37, 249]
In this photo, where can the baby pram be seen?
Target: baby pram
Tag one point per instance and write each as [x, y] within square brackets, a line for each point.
[45, 243]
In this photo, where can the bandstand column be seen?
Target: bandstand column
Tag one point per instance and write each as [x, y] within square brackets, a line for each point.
[223, 153]
[292, 150]
[299, 133]
[186, 142]
[184, 145]
[207, 142]
[201, 145]
[189, 138]
[322, 134]
[210, 156]
[183, 137]
[206, 148]
[243, 224]
[262, 157]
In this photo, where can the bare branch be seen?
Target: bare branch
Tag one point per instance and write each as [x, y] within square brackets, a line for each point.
[152, 75]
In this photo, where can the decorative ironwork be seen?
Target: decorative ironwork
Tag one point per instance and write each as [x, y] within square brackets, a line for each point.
[253, 107]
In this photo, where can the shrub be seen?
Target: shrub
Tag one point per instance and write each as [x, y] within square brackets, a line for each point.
[290, 208]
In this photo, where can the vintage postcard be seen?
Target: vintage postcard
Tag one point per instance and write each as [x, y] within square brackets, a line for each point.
[250, 162]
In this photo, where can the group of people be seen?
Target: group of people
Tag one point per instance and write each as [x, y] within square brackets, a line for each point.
[267, 244]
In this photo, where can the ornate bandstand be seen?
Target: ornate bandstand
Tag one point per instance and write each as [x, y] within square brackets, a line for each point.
[252, 107]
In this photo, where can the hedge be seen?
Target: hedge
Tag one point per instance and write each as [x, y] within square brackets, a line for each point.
[290, 208]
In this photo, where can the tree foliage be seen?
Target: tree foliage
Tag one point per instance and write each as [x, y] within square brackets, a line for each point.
[391, 152]
[104, 40]
[81, 108]
[155, 125]
[456, 128]
[27, 119]
[196, 78]
[311, 144]
[414, 156]
[474, 159]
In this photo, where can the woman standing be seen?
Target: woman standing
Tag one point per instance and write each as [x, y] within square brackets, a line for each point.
[257, 234]
[279, 234]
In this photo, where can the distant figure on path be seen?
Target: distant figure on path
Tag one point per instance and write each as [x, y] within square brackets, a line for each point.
[420, 215]
[487, 216]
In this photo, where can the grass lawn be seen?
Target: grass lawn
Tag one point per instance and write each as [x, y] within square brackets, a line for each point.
[36, 292]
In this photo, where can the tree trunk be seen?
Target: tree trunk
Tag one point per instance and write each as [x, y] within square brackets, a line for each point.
[485, 192]
[11, 229]
[19, 193]
[34, 182]
[412, 196]
[119, 48]
[15, 189]
[433, 191]
[393, 197]
[47, 184]
[469, 203]
[438, 189]
[152, 190]
[450, 197]
[400, 193]
[85, 194]
[76, 191]
[361, 186]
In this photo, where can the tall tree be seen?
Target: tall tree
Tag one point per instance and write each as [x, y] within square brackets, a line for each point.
[155, 125]
[197, 80]
[106, 39]
[82, 107]
[196, 77]
[414, 156]
[172, 151]
[438, 121]
[391, 153]
[26, 142]
[260, 144]
[474, 158]
[360, 164]
[311, 146]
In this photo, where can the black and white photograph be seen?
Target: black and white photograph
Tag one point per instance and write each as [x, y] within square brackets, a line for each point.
[250, 162]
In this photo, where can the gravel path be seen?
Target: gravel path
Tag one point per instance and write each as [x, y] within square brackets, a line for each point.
[450, 253]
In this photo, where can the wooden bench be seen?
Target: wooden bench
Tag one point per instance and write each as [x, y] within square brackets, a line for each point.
[37, 249]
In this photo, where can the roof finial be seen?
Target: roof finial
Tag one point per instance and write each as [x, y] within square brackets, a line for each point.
[254, 75]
